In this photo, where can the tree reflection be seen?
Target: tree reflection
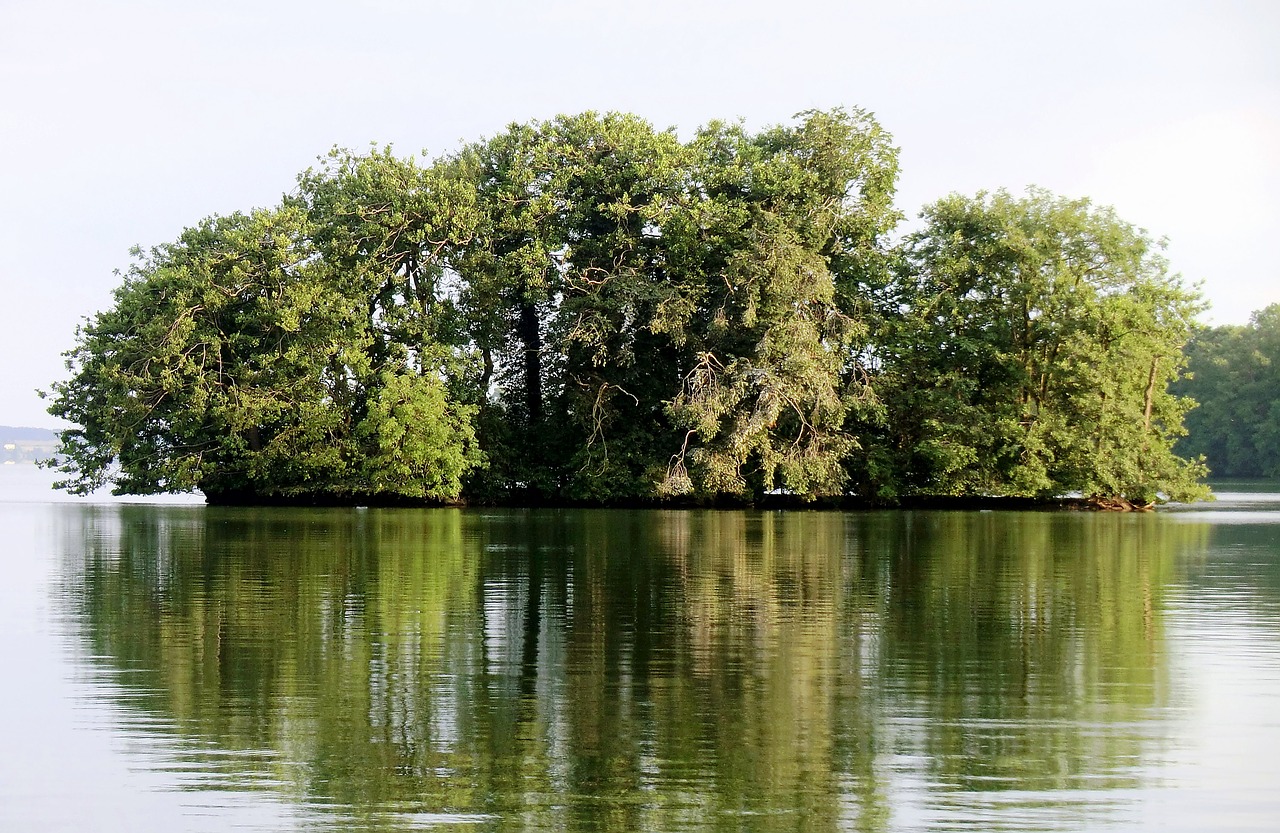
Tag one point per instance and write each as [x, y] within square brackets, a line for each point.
[639, 670]
[1029, 647]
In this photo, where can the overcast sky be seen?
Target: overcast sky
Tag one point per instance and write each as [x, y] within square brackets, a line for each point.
[123, 122]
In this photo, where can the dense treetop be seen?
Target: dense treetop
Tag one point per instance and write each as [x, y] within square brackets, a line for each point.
[588, 309]
[1235, 376]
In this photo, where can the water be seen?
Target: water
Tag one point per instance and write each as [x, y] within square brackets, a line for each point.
[183, 668]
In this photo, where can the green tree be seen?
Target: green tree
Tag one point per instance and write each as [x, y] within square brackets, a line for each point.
[275, 354]
[510, 282]
[618, 181]
[597, 311]
[555, 287]
[1235, 377]
[786, 227]
[1028, 348]
[668, 319]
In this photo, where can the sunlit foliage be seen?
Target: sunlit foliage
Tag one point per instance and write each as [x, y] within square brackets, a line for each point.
[589, 309]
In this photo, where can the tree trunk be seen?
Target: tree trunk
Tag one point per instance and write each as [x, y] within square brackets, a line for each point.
[486, 355]
[1149, 397]
[531, 335]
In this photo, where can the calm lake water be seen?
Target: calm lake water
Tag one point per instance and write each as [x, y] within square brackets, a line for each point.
[183, 668]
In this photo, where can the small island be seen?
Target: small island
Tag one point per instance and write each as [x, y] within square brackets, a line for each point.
[590, 311]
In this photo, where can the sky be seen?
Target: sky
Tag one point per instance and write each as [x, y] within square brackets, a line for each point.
[122, 123]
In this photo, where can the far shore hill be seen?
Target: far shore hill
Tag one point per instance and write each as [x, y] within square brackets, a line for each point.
[20, 445]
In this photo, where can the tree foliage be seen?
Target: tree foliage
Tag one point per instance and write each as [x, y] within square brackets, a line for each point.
[560, 289]
[591, 309]
[269, 355]
[1235, 376]
[785, 219]
[1028, 348]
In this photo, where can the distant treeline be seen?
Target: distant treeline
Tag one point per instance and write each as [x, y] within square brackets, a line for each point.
[1234, 373]
[590, 310]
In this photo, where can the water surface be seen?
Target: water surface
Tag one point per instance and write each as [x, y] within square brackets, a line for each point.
[184, 668]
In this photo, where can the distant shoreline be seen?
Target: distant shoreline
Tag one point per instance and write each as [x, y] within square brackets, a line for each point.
[26, 445]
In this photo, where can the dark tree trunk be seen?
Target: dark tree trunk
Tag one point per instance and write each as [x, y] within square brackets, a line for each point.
[531, 335]
[486, 356]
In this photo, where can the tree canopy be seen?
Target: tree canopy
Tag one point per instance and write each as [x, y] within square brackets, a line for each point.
[1235, 376]
[589, 309]
[1027, 349]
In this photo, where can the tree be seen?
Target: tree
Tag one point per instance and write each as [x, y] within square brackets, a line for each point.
[673, 318]
[1028, 348]
[617, 182]
[1235, 376]
[782, 229]
[588, 309]
[281, 354]
[553, 285]
[509, 267]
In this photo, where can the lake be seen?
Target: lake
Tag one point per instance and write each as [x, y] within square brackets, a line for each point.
[174, 667]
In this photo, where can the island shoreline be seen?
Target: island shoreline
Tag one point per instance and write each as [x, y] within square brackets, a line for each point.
[767, 503]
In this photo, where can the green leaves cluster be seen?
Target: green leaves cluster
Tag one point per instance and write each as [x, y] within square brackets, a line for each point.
[590, 309]
[284, 353]
[1235, 376]
[1028, 348]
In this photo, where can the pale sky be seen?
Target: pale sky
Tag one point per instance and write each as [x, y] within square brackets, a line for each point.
[123, 122]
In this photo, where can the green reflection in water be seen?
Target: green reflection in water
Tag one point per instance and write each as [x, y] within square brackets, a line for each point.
[597, 670]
